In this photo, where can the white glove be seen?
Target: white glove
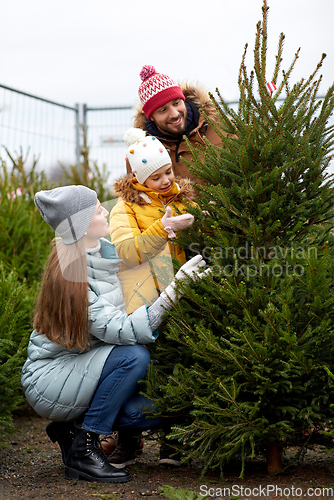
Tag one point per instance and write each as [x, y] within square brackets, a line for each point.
[191, 270]
[175, 223]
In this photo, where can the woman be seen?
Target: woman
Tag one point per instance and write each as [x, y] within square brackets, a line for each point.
[86, 355]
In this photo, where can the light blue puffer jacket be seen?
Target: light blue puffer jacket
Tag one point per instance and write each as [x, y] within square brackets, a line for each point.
[59, 383]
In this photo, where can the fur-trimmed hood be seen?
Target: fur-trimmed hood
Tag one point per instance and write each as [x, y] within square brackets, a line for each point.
[194, 92]
[124, 187]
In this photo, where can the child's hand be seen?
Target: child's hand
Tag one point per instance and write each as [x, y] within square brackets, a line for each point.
[175, 223]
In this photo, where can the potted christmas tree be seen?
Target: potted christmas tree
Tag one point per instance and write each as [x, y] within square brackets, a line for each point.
[245, 359]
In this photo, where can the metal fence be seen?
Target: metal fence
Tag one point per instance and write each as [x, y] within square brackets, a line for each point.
[39, 129]
[105, 128]
[52, 132]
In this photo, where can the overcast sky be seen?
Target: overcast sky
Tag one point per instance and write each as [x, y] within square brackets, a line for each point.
[92, 51]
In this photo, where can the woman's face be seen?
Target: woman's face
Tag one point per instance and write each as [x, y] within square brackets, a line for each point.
[98, 226]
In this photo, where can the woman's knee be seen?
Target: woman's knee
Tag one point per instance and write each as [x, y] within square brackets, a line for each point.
[142, 354]
[135, 357]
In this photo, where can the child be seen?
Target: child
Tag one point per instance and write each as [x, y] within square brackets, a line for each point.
[86, 355]
[145, 220]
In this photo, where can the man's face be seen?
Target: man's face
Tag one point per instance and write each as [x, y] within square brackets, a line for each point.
[171, 118]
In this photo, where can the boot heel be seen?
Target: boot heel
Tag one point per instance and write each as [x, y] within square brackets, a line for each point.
[71, 474]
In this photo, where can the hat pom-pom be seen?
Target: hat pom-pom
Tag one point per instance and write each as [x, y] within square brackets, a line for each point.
[147, 71]
[134, 135]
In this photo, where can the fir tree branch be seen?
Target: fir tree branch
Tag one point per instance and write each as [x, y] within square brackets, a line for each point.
[265, 9]
[250, 99]
[233, 129]
[286, 75]
[278, 58]
[311, 77]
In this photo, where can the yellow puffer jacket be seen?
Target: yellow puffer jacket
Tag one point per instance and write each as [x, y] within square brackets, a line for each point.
[141, 240]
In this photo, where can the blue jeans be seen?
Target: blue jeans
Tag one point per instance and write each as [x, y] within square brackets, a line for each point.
[116, 403]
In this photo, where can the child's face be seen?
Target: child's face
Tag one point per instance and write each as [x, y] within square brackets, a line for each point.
[161, 180]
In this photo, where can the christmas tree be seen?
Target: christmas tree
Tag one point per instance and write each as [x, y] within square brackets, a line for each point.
[244, 361]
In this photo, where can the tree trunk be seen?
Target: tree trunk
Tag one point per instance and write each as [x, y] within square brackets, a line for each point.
[274, 459]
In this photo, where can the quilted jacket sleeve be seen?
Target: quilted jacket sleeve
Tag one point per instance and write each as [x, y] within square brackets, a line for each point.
[114, 326]
[134, 246]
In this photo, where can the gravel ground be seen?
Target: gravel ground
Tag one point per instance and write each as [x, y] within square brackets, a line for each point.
[31, 468]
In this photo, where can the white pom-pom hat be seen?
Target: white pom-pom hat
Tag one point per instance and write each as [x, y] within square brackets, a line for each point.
[146, 154]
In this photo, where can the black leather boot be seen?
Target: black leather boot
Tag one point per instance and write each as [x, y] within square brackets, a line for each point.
[86, 460]
[62, 433]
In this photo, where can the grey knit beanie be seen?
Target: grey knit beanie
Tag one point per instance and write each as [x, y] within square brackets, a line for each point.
[68, 210]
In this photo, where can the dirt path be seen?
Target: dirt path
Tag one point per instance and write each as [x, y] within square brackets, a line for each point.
[31, 468]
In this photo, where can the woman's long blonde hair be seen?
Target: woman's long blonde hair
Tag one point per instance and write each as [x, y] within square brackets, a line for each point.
[61, 312]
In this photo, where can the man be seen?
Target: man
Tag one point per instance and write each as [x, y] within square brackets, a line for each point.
[169, 112]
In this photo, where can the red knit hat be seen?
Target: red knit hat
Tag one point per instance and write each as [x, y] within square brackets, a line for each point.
[156, 90]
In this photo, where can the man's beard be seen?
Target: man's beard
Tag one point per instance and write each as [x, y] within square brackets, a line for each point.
[169, 130]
